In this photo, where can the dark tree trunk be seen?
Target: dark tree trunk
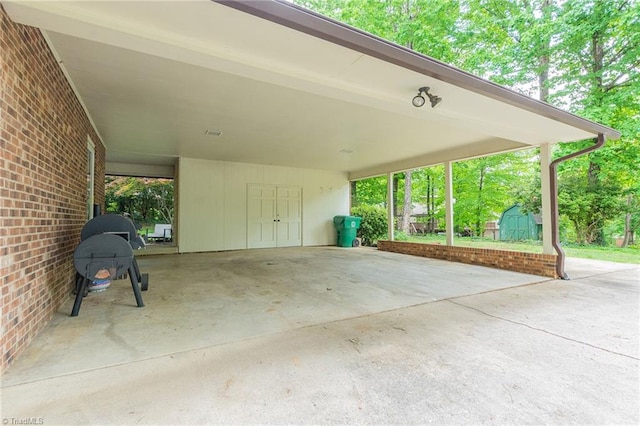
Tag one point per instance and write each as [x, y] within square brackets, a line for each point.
[478, 225]
[543, 59]
[395, 196]
[628, 232]
[406, 208]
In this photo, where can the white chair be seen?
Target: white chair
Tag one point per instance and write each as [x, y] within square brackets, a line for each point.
[161, 231]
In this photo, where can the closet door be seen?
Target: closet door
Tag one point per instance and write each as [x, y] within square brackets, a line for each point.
[274, 216]
[261, 216]
[289, 217]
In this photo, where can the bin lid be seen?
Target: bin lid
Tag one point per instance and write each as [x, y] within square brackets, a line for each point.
[354, 219]
[347, 222]
[339, 220]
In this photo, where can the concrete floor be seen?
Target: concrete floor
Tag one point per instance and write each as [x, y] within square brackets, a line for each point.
[329, 335]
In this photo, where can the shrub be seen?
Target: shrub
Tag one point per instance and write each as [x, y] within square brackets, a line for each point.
[373, 225]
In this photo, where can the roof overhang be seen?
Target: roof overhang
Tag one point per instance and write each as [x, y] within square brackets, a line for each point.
[285, 86]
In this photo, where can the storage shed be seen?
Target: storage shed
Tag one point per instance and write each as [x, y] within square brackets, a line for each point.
[515, 225]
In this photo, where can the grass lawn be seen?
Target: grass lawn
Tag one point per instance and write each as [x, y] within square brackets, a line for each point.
[611, 254]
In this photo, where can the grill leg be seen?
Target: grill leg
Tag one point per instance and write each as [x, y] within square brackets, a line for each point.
[135, 285]
[79, 296]
[137, 269]
[79, 279]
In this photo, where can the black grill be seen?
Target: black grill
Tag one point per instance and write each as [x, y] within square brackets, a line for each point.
[106, 252]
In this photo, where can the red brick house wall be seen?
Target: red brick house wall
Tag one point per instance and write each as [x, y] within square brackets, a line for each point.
[529, 263]
[43, 157]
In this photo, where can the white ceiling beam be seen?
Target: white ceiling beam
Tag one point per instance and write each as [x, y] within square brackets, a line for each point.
[480, 149]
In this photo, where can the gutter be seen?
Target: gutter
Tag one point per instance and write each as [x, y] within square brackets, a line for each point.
[555, 230]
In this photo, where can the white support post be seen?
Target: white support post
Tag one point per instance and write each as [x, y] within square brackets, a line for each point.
[390, 206]
[448, 201]
[545, 191]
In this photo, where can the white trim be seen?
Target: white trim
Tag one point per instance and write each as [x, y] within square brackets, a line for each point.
[141, 170]
[448, 201]
[434, 159]
[55, 54]
[545, 182]
[91, 158]
[390, 207]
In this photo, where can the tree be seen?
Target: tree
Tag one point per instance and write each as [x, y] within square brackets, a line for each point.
[483, 187]
[598, 68]
[588, 205]
[407, 204]
[162, 192]
[631, 219]
[422, 25]
[372, 191]
[146, 200]
[428, 191]
[582, 56]
[508, 42]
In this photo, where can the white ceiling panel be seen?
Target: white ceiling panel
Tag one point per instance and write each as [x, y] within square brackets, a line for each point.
[154, 76]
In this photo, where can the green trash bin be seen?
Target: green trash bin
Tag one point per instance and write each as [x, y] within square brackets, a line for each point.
[347, 227]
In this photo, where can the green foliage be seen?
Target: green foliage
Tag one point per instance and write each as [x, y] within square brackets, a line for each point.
[372, 191]
[598, 78]
[374, 223]
[147, 200]
[596, 56]
[578, 55]
[507, 42]
[589, 206]
[484, 187]
[422, 25]
[428, 191]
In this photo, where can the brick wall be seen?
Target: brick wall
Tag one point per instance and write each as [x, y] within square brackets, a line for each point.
[530, 263]
[43, 156]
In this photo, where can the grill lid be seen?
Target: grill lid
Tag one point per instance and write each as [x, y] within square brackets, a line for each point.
[112, 223]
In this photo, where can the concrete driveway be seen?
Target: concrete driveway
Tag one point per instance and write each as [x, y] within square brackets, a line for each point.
[328, 335]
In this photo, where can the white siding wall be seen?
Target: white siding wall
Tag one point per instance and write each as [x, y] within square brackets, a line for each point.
[213, 202]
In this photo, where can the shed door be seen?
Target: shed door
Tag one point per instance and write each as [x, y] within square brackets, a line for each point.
[274, 216]
[523, 228]
[511, 228]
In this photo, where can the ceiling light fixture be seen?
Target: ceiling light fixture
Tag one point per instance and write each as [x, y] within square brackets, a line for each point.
[419, 100]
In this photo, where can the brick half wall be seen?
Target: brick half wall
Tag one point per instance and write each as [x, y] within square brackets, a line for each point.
[528, 263]
[43, 184]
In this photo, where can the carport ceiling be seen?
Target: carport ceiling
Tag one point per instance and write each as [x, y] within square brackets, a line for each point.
[155, 76]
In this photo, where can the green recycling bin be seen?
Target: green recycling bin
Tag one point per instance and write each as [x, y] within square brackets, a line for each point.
[347, 227]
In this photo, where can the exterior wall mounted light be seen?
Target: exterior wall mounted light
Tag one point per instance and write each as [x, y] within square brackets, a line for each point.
[419, 100]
